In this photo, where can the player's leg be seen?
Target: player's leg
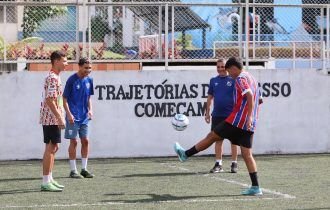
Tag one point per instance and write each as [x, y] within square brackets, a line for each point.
[246, 150]
[200, 146]
[83, 134]
[218, 149]
[54, 149]
[71, 132]
[234, 154]
[50, 132]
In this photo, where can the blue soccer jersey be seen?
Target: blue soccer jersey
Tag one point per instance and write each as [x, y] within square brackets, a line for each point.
[77, 92]
[222, 90]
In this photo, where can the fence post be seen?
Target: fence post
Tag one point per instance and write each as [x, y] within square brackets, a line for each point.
[77, 34]
[84, 27]
[166, 37]
[172, 35]
[247, 35]
[160, 31]
[294, 55]
[4, 40]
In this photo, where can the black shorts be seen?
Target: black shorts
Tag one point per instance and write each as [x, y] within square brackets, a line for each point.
[52, 133]
[216, 121]
[236, 135]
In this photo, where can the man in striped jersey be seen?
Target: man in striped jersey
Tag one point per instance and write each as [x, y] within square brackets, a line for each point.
[239, 126]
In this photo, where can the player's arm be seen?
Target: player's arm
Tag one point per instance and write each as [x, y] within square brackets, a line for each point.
[261, 100]
[90, 109]
[67, 110]
[208, 108]
[250, 104]
[51, 103]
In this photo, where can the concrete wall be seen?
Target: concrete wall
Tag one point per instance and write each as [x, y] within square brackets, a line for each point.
[293, 119]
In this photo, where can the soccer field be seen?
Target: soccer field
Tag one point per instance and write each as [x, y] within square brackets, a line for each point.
[288, 182]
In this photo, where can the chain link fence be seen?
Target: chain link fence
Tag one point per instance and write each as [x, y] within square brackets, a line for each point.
[164, 31]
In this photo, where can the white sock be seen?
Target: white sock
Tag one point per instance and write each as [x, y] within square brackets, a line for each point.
[84, 163]
[51, 176]
[219, 161]
[45, 179]
[73, 165]
[234, 161]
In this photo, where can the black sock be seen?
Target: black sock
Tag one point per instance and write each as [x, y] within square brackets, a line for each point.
[191, 151]
[254, 179]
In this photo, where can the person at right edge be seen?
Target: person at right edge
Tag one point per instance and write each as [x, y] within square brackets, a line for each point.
[239, 126]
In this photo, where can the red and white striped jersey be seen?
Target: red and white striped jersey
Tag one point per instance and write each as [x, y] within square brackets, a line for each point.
[244, 83]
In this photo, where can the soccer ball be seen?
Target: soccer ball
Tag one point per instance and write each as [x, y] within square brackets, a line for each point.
[180, 122]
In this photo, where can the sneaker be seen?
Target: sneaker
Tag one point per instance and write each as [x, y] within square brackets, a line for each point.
[233, 168]
[75, 175]
[253, 190]
[216, 169]
[56, 184]
[49, 187]
[86, 174]
[180, 152]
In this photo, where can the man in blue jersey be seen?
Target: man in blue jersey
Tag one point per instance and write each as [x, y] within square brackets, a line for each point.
[221, 91]
[78, 107]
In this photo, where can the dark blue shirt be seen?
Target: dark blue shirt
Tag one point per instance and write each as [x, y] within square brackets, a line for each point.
[222, 90]
[77, 92]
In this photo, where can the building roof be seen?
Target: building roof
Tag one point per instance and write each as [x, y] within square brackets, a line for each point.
[184, 17]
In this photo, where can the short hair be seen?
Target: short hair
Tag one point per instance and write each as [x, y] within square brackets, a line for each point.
[221, 60]
[233, 61]
[83, 60]
[57, 55]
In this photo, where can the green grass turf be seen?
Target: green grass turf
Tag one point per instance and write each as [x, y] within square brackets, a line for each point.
[291, 182]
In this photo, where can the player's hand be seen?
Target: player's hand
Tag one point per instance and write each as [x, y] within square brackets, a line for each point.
[249, 123]
[207, 118]
[61, 123]
[70, 118]
[90, 115]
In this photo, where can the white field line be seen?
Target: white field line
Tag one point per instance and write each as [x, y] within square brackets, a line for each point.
[142, 202]
[284, 195]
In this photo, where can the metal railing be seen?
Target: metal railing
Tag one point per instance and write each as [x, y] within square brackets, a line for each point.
[164, 31]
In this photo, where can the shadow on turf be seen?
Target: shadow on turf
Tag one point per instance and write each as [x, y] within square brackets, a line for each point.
[158, 174]
[6, 192]
[161, 198]
[19, 179]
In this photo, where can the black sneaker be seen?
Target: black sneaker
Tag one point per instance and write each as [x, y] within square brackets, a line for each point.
[216, 169]
[233, 168]
[75, 175]
[86, 174]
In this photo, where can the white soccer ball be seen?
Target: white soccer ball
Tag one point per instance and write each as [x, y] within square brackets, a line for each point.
[180, 122]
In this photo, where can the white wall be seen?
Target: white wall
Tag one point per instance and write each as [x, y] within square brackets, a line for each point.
[292, 122]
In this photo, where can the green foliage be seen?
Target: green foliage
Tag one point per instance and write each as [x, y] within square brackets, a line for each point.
[2, 46]
[100, 28]
[188, 40]
[33, 16]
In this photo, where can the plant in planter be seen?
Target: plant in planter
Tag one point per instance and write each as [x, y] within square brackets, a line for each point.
[99, 51]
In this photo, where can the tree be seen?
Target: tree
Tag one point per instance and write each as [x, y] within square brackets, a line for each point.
[100, 28]
[34, 15]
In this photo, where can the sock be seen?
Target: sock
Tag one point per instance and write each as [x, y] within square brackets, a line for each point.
[84, 163]
[234, 161]
[218, 162]
[254, 179]
[191, 151]
[45, 179]
[73, 165]
[51, 176]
